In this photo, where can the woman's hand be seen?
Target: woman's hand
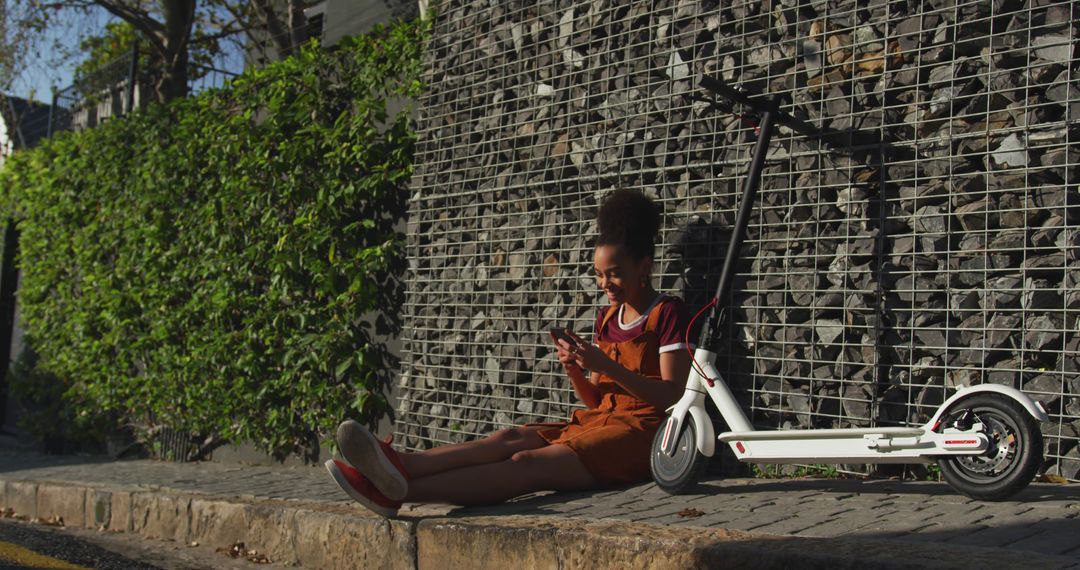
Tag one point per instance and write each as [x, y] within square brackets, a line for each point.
[566, 357]
[588, 356]
[568, 348]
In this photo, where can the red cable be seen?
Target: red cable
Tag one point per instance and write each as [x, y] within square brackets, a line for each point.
[693, 361]
[745, 121]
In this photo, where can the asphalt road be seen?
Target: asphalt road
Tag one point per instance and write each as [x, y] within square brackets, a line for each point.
[24, 546]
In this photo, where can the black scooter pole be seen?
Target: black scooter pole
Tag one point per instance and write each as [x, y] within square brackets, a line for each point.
[712, 332]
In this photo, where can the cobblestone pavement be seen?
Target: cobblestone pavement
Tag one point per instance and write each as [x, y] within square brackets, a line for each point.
[1044, 518]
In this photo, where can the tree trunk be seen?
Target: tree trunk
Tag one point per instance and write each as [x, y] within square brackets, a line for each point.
[173, 83]
[168, 38]
[179, 16]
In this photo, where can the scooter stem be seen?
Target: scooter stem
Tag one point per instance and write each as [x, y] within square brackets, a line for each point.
[712, 332]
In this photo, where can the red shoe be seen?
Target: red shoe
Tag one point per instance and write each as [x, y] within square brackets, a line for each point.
[359, 488]
[375, 459]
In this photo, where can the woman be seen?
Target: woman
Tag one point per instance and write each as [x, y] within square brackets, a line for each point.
[638, 368]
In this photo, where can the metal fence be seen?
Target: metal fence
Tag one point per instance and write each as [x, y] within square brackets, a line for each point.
[118, 88]
[936, 246]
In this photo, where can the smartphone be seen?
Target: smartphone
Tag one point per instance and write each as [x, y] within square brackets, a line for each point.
[558, 333]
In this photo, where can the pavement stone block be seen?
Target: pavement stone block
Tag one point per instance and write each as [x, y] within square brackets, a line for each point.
[161, 515]
[847, 523]
[326, 540]
[1054, 537]
[453, 544]
[662, 513]
[793, 525]
[22, 498]
[271, 527]
[66, 502]
[218, 523]
[98, 508]
[995, 537]
[757, 521]
[950, 532]
[120, 518]
[890, 529]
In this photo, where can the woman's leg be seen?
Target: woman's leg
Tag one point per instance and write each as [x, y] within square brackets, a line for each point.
[496, 447]
[553, 467]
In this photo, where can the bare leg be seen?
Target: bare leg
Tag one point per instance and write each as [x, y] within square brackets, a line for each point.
[496, 447]
[554, 467]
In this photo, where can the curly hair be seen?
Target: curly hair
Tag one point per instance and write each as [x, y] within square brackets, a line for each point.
[629, 219]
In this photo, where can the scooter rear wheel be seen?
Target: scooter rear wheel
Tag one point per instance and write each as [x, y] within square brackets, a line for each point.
[676, 473]
[1013, 457]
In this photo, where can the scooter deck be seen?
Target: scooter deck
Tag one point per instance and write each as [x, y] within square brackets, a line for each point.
[765, 435]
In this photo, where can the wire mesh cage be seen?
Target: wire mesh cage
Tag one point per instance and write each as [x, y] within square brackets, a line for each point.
[929, 242]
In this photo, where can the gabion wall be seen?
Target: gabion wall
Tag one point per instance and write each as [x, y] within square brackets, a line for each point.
[930, 241]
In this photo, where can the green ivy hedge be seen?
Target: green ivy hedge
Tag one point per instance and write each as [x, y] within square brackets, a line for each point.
[222, 265]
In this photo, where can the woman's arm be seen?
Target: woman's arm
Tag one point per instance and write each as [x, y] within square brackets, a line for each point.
[661, 394]
[584, 387]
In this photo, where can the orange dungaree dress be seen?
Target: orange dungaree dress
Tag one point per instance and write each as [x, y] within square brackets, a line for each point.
[613, 440]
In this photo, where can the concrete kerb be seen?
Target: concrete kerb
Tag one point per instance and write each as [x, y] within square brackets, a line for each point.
[340, 535]
[309, 535]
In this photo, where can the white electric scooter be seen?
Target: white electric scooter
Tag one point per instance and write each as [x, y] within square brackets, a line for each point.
[985, 438]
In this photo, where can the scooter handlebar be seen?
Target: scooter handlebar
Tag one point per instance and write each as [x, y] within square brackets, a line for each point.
[719, 87]
[760, 104]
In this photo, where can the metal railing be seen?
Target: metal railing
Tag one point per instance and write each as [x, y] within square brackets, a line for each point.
[118, 88]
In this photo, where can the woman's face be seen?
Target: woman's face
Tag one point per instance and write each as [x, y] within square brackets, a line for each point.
[619, 275]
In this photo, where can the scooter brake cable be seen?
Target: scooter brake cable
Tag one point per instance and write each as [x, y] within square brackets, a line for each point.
[693, 360]
[730, 110]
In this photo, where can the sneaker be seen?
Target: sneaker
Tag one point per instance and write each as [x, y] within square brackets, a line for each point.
[359, 488]
[375, 459]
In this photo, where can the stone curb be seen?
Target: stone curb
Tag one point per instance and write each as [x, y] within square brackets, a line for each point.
[332, 535]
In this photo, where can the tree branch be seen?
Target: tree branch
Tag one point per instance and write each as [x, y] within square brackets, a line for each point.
[152, 30]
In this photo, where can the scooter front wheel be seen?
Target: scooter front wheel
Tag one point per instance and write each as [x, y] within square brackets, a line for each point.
[1013, 457]
[676, 473]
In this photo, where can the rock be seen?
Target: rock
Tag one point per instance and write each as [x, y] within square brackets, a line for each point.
[914, 289]
[1040, 295]
[1069, 465]
[929, 219]
[1001, 331]
[551, 266]
[1062, 90]
[1054, 48]
[829, 330]
[962, 301]
[1012, 152]
[518, 268]
[566, 28]
[1044, 332]
[856, 402]
[851, 201]
[1045, 389]
[812, 59]
[1001, 293]
[975, 215]
[677, 70]
[962, 377]
[1014, 212]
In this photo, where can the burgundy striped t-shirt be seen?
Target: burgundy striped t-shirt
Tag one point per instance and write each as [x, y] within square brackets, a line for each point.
[670, 325]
